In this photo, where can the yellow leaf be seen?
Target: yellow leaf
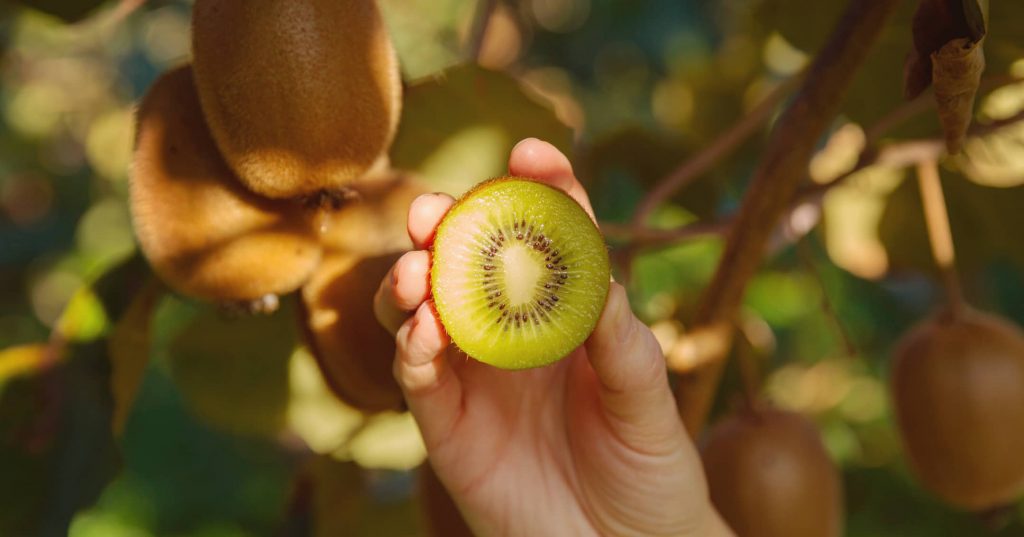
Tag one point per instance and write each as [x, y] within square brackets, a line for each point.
[20, 360]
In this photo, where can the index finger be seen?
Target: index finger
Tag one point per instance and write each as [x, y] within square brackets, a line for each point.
[537, 159]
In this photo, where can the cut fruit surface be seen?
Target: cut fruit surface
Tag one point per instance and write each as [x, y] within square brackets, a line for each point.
[520, 273]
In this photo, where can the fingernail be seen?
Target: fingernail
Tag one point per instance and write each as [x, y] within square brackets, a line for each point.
[523, 141]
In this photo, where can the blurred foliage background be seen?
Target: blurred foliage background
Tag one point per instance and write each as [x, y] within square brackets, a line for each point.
[228, 429]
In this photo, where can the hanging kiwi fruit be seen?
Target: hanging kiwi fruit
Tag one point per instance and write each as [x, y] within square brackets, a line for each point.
[957, 384]
[770, 476]
[204, 234]
[354, 352]
[303, 97]
[958, 391]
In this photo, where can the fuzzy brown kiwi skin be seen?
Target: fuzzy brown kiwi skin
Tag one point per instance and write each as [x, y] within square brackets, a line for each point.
[958, 393]
[203, 233]
[354, 352]
[303, 97]
[770, 476]
[373, 221]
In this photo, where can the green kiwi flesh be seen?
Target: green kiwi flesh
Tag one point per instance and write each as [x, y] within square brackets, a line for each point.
[520, 273]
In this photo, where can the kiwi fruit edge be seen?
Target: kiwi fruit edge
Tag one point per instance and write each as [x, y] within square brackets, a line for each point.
[520, 273]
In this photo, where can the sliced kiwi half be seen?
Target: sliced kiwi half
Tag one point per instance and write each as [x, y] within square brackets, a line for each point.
[520, 273]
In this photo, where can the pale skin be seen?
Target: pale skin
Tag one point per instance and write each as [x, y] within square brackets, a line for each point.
[590, 445]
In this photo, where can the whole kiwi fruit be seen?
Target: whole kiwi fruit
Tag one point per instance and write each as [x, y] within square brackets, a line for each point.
[354, 352]
[520, 273]
[303, 96]
[770, 476]
[957, 384]
[204, 234]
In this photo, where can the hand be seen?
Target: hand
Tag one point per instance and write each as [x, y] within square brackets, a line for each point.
[590, 445]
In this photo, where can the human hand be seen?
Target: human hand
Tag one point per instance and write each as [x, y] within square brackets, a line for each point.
[589, 445]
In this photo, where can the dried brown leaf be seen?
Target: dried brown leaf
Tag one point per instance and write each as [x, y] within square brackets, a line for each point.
[917, 74]
[936, 23]
[956, 73]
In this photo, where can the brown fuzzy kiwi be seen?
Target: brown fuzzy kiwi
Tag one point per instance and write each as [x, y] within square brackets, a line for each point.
[770, 476]
[441, 518]
[204, 234]
[958, 391]
[354, 351]
[303, 96]
[373, 222]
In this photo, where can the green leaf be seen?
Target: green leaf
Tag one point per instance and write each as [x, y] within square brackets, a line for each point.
[458, 128]
[56, 447]
[233, 372]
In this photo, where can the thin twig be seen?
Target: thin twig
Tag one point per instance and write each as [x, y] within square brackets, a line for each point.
[478, 32]
[704, 160]
[894, 155]
[940, 237]
[806, 259]
[647, 236]
[780, 171]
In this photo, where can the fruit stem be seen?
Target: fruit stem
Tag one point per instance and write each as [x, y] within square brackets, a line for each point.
[940, 236]
[750, 369]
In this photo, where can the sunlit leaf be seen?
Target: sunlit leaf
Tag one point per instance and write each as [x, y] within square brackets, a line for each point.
[84, 318]
[424, 33]
[314, 413]
[457, 128]
[95, 306]
[233, 371]
[997, 159]
[21, 360]
[389, 440]
[851, 215]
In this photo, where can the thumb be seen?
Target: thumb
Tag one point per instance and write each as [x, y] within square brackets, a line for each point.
[630, 366]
